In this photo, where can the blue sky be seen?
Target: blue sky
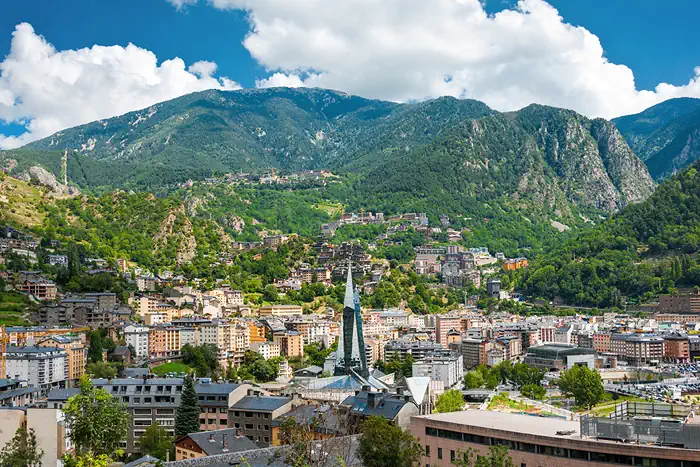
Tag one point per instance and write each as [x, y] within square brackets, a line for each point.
[653, 40]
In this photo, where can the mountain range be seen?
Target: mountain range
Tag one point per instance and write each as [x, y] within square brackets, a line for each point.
[666, 136]
[445, 151]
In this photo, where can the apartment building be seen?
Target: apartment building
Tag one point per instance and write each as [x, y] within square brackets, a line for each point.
[676, 348]
[215, 400]
[42, 289]
[291, 343]
[268, 350]
[42, 367]
[447, 367]
[76, 354]
[254, 415]
[280, 311]
[602, 342]
[137, 337]
[474, 352]
[638, 348]
[313, 330]
[443, 325]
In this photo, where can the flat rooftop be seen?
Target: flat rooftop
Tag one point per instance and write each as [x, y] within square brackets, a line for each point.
[515, 423]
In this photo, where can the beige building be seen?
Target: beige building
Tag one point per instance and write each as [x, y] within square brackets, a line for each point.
[280, 310]
[291, 343]
[75, 350]
[48, 425]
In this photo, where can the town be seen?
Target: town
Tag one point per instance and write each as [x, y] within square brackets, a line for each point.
[260, 366]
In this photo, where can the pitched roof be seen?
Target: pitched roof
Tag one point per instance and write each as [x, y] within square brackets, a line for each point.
[261, 403]
[212, 442]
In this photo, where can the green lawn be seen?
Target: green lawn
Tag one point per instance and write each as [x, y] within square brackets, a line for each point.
[172, 367]
[607, 407]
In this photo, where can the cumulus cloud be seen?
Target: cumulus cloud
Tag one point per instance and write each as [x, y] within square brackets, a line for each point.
[181, 4]
[406, 50]
[49, 90]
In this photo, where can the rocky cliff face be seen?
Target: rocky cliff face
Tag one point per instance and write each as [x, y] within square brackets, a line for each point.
[665, 136]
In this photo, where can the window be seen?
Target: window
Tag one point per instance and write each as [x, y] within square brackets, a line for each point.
[267, 440]
[249, 426]
[236, 425]
[222, 410]
[211, 421]
[236, 414]
[137, 400]
[439, 453]
[452, 455]
[523, 465]
[267, 427]
[202, 421]
[223, 421]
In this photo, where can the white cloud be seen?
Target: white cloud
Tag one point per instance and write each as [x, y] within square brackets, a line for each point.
[53, 90]
[181, 4]
[404, 50]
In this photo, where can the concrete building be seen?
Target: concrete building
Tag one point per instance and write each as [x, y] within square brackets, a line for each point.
[215, 400]
[676, 348]
[688, 303]
[49, 428]
[137, 337]
[447, 367]
[291, 343]
[638, 348]
[42, 367]
[559, 357]
[443, 325]
[212, 443]
[537, 441]
[268, 350]
[76, 354]
[474, 352]
[280, 311]
[254, 415]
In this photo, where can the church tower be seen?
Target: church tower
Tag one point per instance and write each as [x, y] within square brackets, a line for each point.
[351, 355]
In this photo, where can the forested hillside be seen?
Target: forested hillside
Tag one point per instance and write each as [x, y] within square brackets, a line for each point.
[666, 136]
[647, 248]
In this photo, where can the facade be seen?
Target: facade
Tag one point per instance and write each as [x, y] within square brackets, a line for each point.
[254, 415]
[280, 310]
[42, 289]
[676, 348]
[443, 325]
[76, 354]
[533, 442]
[559, 357]
[637, 348]
[268, 350]
[214, 401]
[290, 343]
[474, 352]
[689, 303]
[42, 367]
[137, 337]
[447, 367]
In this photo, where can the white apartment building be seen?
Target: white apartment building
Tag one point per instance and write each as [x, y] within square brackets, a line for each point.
[137, 337]
[42, 367]
[446, 368]
[268, 350]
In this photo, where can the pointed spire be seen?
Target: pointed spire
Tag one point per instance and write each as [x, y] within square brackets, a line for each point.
[349, 301]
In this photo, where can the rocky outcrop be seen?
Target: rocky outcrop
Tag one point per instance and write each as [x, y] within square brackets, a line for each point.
[43, 177]
[176, 229]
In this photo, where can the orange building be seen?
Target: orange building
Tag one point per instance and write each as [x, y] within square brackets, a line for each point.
[513, 264]
[257, 332]
[76, 351]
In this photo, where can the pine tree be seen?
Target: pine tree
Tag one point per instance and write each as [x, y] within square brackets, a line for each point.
[22, 450]
[95, 349]
[187, 418]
